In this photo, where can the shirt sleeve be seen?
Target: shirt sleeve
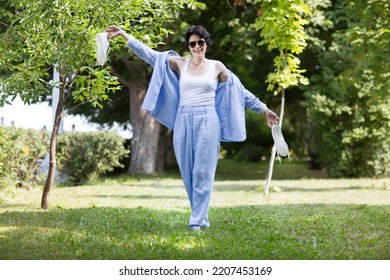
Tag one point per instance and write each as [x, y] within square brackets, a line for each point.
[253, 103]
[142, 51]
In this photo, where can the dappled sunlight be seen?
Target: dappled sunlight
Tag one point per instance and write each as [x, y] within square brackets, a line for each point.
[130, 195]
[171, 194]
[148, 219]
[5, 230]
[96, 233]
[145, 233]
[189, 244]
[305, 191]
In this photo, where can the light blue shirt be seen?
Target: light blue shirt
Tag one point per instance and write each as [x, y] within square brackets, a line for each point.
[162, 97]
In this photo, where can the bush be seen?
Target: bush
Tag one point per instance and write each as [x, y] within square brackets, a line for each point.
[348, 100]
[84, 156]
[349, 125]
[259, 138]
[21, 151]
[251, 153]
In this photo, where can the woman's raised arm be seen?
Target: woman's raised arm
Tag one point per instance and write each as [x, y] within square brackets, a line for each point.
[140, 49]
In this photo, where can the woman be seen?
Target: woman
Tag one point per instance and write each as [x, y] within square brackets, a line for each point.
[203, 103]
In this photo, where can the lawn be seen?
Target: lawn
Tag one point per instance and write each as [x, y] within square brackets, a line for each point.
[305, 217]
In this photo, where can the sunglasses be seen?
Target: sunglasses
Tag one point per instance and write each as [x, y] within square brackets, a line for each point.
[200, 43]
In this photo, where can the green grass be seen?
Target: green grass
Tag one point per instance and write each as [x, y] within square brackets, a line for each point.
[233, 170]
[307, 217]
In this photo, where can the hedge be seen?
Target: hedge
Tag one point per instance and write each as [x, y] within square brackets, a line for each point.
[82, 156]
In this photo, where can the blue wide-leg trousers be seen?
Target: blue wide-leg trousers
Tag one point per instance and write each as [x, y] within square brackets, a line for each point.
[196, 140]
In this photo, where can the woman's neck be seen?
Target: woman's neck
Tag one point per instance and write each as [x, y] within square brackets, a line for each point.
[196, 61]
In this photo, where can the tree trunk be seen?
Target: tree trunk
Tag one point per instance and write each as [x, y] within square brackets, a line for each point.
[146, 136]
[64, 92]
[273, 153]
[146, 133]
[52, 154]
[166, 155]
[148, 145]
[52, 165]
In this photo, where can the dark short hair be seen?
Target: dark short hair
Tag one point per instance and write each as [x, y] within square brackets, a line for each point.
[201, 32]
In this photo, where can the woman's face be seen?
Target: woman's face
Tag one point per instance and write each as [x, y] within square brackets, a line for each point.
[197, 46]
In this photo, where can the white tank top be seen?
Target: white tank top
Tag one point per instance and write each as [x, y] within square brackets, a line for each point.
[200, 89]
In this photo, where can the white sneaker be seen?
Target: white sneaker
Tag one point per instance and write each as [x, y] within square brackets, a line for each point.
[280, 145]
[102, 48]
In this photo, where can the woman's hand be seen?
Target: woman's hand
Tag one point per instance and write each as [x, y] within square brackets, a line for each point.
[272, 118]
[113, 31]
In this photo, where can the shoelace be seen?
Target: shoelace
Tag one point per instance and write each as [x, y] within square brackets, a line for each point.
[280, 145]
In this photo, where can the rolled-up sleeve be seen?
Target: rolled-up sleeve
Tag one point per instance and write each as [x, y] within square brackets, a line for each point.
[142, 51]
[253, 103]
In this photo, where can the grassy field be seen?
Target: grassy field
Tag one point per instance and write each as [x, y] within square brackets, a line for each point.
[305, 217]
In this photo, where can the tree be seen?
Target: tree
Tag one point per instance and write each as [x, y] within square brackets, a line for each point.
[348, 102]
[44, 34]
[282, 27]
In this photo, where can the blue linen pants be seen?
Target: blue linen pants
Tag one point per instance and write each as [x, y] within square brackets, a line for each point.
[196, 140]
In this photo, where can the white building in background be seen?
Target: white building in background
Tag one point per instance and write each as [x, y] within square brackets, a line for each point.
[40, 115]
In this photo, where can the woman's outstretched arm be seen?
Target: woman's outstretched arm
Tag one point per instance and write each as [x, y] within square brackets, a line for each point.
[140, 49]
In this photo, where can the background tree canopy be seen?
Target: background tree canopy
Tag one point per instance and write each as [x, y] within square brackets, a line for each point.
[348, 101]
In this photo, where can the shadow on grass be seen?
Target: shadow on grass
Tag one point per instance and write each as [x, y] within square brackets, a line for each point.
[331, 189]
[246, 232]
[154, 196]
[230, 169]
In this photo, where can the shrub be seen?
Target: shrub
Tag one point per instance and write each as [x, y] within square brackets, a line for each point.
[21, 151]
[348, 100]
[259, 139]
[349, 125]
[83, 156]
[251, 152]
